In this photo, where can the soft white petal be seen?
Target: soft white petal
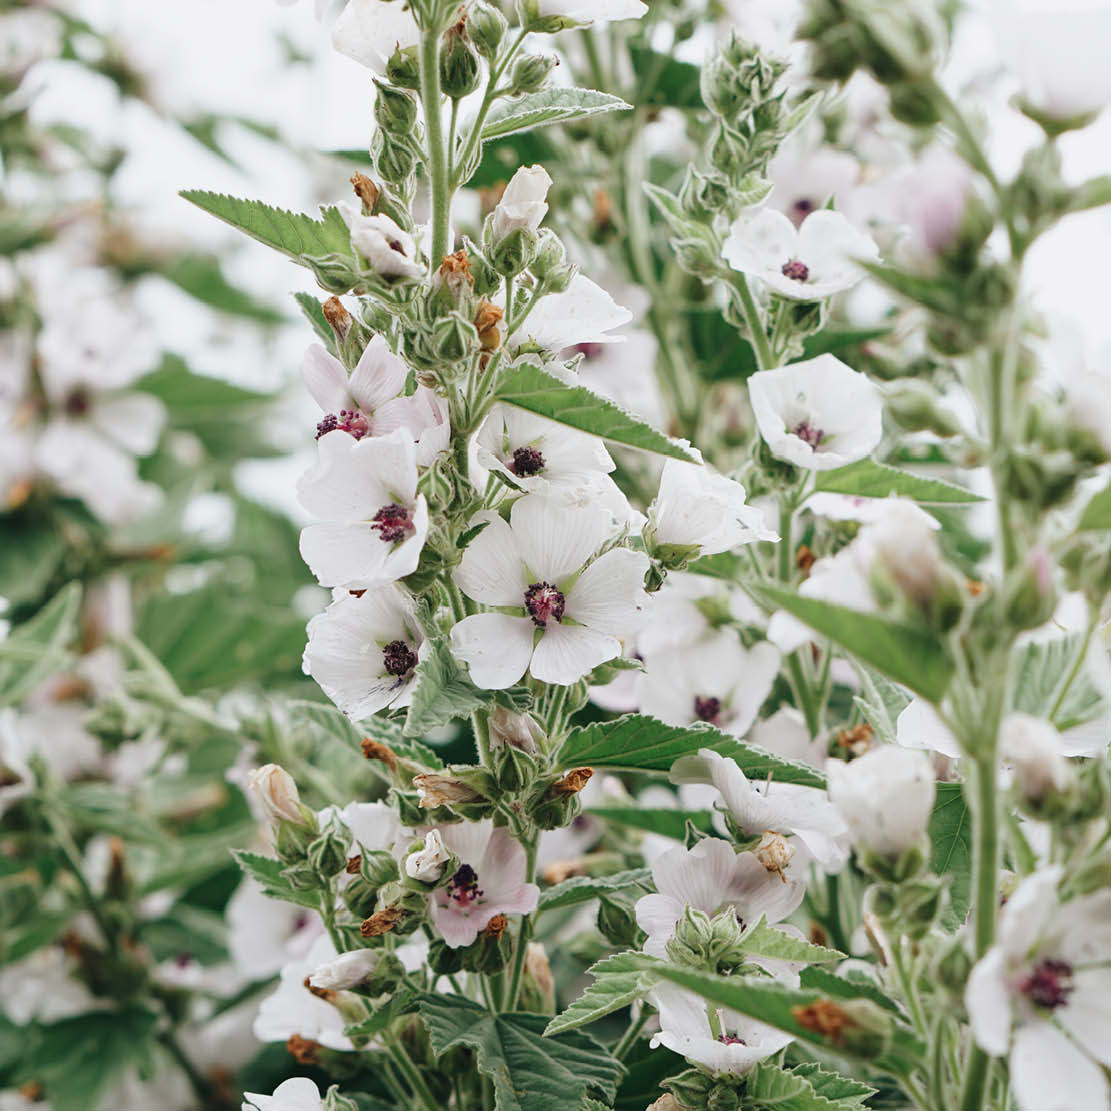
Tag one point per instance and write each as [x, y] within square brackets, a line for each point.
[491, 570]
[132, 420]
[988, 1001]
[378, 377]
[609, 595]
[566, 653]
[495, 646]
[1050, 1073]
[326, 379]
[555, 540]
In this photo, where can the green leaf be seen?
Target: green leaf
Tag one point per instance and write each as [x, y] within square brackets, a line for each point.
[545, 107]
[581, 889]
[310, 306]
[667, 823]
[664, 81]
[203, 279]
[77, 1059]
[833, 1085]
[853, 986]
[1051, 681]
[771, 1087]
[401, 1002]
[441, 692]
[529, 387]
[881, 702]
[268, 873]
[908, 655]
[530, 1072]
[951, 854]
[618, 982]
[105, 809]
[762, 940]
[939, 294]
[641, 743]
[329, 722]
[869, 479]
[292, 233]
[1093, 193]
[30, 556]
[35, 650]
[646, 1067]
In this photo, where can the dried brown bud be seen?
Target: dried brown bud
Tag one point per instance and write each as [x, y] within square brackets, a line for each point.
[804, 559]
[495, 927]
[443, 790]
[858, 739]
[603, 210]
[538, 967]
[381, 921]
[774, 852]
[366, 191]
[818, 935]
[488, 321]
[824, 1017]
[16, 494]
[975, 587]
[560, 870]
[303, 1050]
[337, 316]
[571, 784]
[375, 750]
[354, 864]
[326, 994]
[456, 268]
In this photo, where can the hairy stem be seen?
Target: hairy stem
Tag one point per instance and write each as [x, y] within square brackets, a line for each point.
[440, 186]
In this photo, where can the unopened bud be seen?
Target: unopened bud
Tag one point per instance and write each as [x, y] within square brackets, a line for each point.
[530, 73]
[459, 69]
[1031, 597]
[487, 26]
[915, 406]
[395, 110]
[273, 788]
[428, 863]
[774, 851]
[514, 253]
[551, 258]
[348, 970]
[403, 68]
[454, 338]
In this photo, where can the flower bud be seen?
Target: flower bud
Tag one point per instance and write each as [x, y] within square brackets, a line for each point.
[273, 788]
[428, 863]
[394, 160]
[459, 69]
[334, 1101]
[688, 1091]
[858, 1027]
[514, 253]
[550, 264]
[395, 110]
[1030, 594]
[454, 338]
[1033, 748]
[530, 73]
[327, 855]
[617, 923]
[914, 406]
[519, 731]
[537, 986]
[333, 272]
[403, 68]
[491, 951]
[487, 26]
[522, 206]
[348, 970]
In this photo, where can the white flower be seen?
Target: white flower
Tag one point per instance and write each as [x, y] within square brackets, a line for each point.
[16, 778]
[786, 734]
[695, 507]
[1034, 749]
[363, 651]
[716, 680]
[390, 250]
[374, 826]
[370, 30]
[784, 808]
[906, 547]
[376, 522]
[930, 200]
[807, 176]
[711, 877]
[818, 414]
[886, 797]
[541, 456]
[584, 11]
[275, 790]
[808, 263]
[1042, 992]
[542, 565]
[296, 1094]
[1088, 403]
[490, 880]
[370, 401]
[265, 933]
[427, 863]
[43, 987]
[919, 726]
[865, 511]
[348, 970]
[293, 1010]
[582, 313]
[523, 205]
[685, 1029]
[625, 374]
[1056, 49]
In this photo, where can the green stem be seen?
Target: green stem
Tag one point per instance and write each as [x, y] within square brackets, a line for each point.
[837, 936]
[412, 1074]
[764, 358]
[439, 184]
[525, 933]
[906, 982]
[628, 1039]
[202, 1089]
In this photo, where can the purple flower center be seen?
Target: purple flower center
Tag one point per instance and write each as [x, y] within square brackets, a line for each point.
[527, 461]
[795, 270]
[398, 658]
[348, 420]
[729, 1039]
[808, 433]
[707, 709]
[394, 522]
[463, 887]
[588, 350]
[801, 209]
[1049, 985]
[543, 601]
[78, 402]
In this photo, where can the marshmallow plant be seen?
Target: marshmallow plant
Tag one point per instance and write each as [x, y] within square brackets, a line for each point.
[540, 601]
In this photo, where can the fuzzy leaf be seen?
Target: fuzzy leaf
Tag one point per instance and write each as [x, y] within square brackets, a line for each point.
[1051, 681]
[268, 873]
[530, 1072]
[869, 479]
[581, 889]
[641, 743]
[667, 823]
[847, 987]
[545, 107]
[310, 306]
[881, 702]
[908, 655]
[529, 387]
[833, 1085]
[951, 855]
[618, 982]
[36, 649]
[778, 1089]
[441, 692]
[762, 940]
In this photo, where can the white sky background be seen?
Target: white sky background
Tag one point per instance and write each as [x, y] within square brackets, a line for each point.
[224, 55]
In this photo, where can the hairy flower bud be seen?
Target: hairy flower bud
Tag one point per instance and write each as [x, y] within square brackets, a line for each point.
[487, 26]
[459, 68]
[530, 73]
[403, 68]
[273, 788]
[348, 970]
[395, 110]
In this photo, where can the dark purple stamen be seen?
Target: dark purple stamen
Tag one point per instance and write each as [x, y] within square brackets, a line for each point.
[707, 709]
[796, 271]
[808, 433]
[544, 601]
[527, 461]
[463, 886]
[393, 522]
[77, 402]
[729, 1039]
[398, 658]
[349, 420]
[1049, 985]
[801, 209]
[588, 350]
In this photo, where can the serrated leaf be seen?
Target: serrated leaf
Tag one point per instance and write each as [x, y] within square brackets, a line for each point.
[268, 873]
[672, 211]
[581, 889]
[441, 692]
[951, 853]
[776, 1089]
[906, 654]
[847, 987]
[666, 823]
[869, 479]
[762, 940]
[618, 982]
[833, 1085]
[1051, 681]
[401, 1002]
[546, 107]
[36, 649]
[881, 702]
[293, 233]
[329, 721]
[530, 1072]
[641, 743]
[531, 388]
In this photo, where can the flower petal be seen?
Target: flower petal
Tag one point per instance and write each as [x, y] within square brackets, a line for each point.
[555, 540]
[609, 595]
[326, 379]
[495, 646]
[1051, 1073]
[566, 653]
[491, 571]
